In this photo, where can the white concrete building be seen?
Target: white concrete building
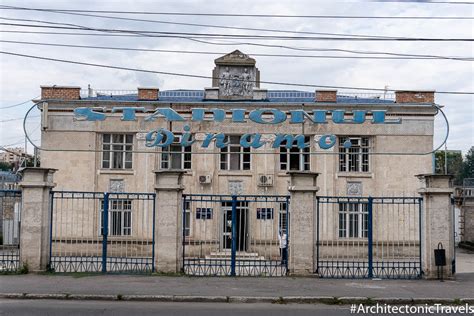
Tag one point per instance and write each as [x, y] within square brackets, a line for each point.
[111, 155]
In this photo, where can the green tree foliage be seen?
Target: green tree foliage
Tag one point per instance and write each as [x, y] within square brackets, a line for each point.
[468, 165]
[454, 165]
[5, 166]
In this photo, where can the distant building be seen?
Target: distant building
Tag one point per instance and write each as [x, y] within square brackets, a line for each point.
[12, 156]
[8, 180]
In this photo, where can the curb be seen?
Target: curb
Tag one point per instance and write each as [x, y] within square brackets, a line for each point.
[328, 300]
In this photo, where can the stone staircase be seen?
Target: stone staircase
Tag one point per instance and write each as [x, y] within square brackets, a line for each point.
[240, 255]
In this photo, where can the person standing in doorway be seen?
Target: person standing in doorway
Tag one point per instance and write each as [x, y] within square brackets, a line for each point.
[282, 238]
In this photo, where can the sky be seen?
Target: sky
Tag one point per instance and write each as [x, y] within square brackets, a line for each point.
[20, 78]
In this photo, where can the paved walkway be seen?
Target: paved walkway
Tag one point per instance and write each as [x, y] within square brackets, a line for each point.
[125, 285]
[242, 289]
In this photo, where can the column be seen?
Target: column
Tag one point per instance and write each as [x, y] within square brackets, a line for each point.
[35, 217]
[168, 220]
[302, 222]
[436, 222]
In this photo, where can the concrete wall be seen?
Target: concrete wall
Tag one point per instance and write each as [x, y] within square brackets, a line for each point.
[82, 170]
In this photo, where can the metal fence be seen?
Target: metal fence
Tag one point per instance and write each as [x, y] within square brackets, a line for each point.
[10, 210]
[102, 232]
[235, 235]
[365, 237]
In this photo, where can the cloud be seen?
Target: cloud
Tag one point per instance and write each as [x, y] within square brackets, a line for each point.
[20, 78]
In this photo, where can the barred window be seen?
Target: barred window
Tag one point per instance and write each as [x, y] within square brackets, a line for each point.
[120, 217]
[295, 158]
[353, 220]
[176, 156]
[356, 157]
[265, 213]
[117, 151]
[234, 156]
[203, 213]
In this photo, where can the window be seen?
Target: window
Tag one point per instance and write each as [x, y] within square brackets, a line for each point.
[117, 151]
[353, 220]
[176, 156]
[265, 213]
[235, 157]
[295, 158]
[187, 218]
[283, 218]
[120, 217]
[355, 158]
[203, 213]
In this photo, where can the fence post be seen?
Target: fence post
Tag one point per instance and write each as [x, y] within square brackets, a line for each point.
[105, 232]
[234, 235]
[36, 218]
[436, 221]
[303, 206]
[169, 220]
[370, 237]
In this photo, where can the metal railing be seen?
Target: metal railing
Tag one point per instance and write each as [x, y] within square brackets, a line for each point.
[102, 232]
[85, 93]
[10, 212]
[367, 237]
[359, 95]
[245, 235]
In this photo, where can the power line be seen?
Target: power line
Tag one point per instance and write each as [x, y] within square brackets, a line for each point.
[249, 15]
[17, 119]
[2, 147]
[429, 2]
[402, 56]
[210, 77]
[15, 105]
[305, 49]
[245, 36]
[194, 24]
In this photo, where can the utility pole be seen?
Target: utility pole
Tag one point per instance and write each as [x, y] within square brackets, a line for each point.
[446, 158]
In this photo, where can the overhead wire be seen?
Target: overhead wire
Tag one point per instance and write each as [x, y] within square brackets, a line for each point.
[15, 105]
[404, 56]
[211, 77]
[242, 36]
[390, 17]
[304, 49]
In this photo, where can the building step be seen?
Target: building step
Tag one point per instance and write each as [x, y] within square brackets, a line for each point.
[238, 255]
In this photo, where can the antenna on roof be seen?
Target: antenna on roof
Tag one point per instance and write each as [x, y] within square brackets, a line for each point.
[385, 91]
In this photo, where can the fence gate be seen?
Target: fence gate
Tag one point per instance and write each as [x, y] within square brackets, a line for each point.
[366, 237]
[102, 232]
[10, 206]
[235, 235]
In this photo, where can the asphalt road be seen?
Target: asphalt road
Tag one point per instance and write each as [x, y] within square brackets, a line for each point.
[116, 308]
[71, 308]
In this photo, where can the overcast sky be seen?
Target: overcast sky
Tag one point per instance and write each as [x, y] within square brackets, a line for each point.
[21, 78]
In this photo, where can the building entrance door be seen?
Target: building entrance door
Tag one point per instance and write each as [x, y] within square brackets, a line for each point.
[241, 225]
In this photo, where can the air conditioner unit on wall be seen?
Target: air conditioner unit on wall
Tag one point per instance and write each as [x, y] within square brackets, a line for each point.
[265, 180]
[205, 179]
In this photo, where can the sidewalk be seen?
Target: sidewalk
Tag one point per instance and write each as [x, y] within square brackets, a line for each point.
[245, 289]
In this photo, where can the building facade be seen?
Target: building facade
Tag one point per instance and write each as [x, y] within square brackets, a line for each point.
[367, 156]
[12, 156]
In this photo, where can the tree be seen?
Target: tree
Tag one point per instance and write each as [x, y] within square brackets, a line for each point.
[5, 166]
[467, 170]
[454, 164]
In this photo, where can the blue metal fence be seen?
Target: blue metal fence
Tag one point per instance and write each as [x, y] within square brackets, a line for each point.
[102, 232]
[228, 235]
[368, 237]
[10, 211]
